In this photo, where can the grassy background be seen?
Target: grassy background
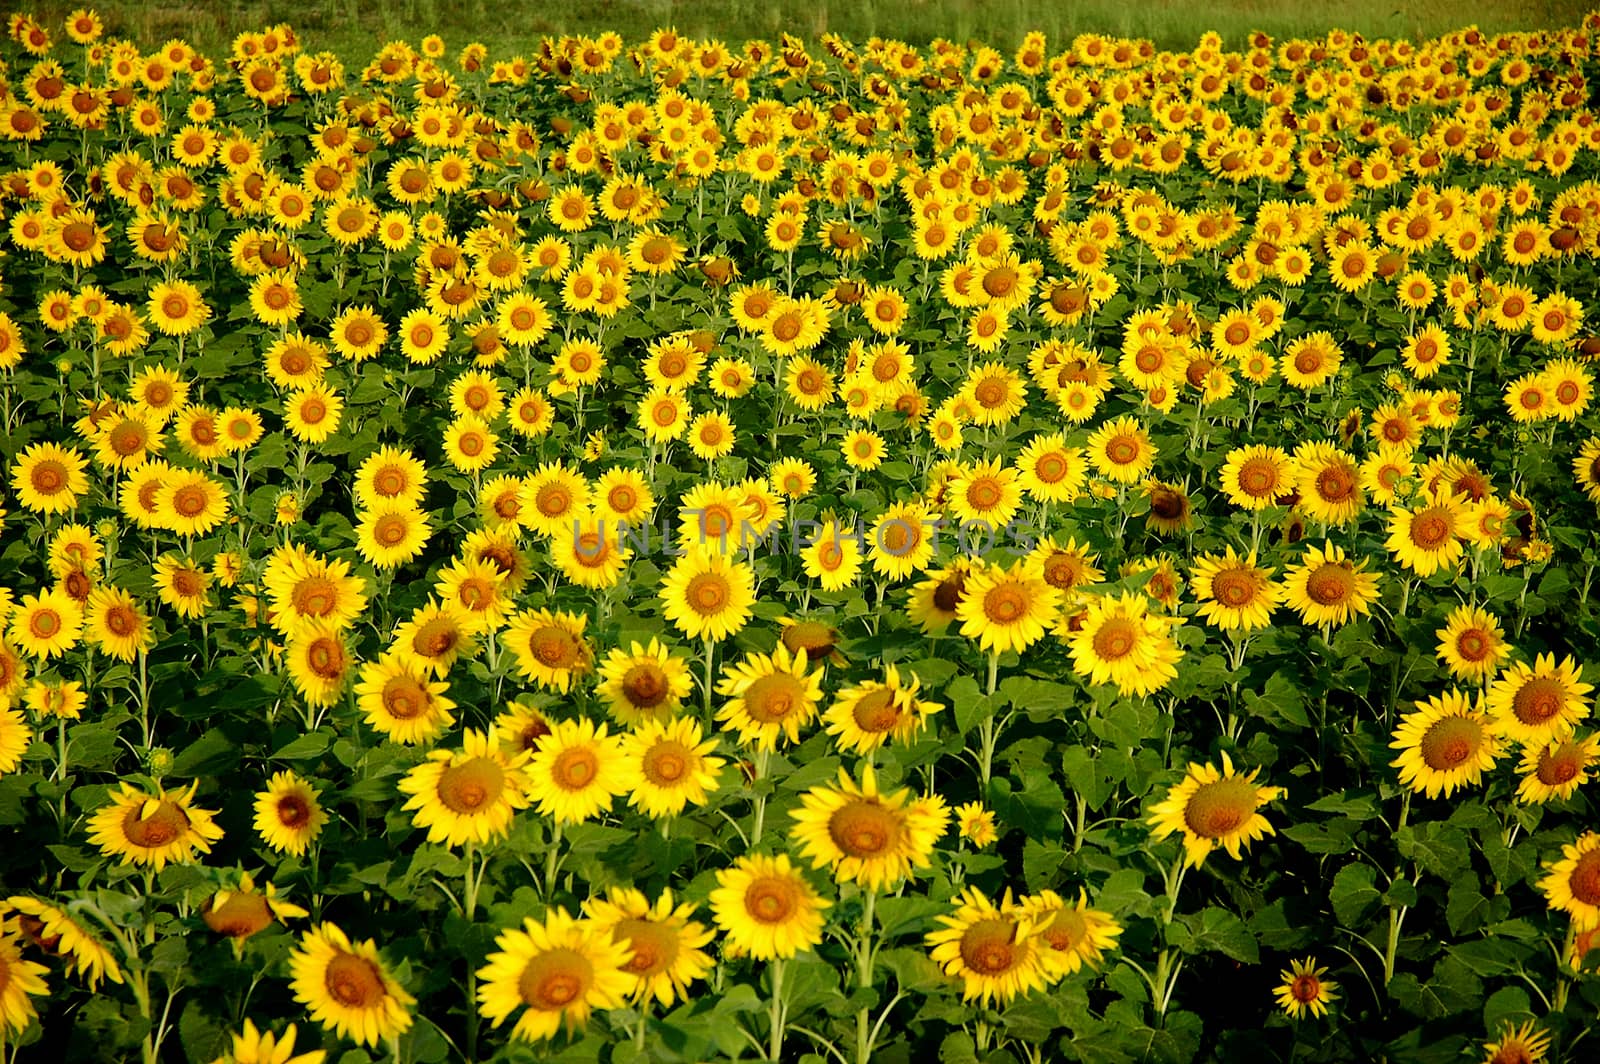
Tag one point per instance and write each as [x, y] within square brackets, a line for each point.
[354, 28]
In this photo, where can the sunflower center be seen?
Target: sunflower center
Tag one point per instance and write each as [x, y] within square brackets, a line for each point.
[989, 947]
[48, 477]
[554, 647]
[315, 596]
[553, 500]
[293, 811]
[166, 824]
[708, 594]
[1331, 584]
[1538, 700]
[127, 439]
[772, 698]
[44, 623]
[1560, 766]
[1051, 469]
[1474, 645]
[1219, 808]
[667, 763]
[1116, 639]
[1584, 880]
[354, 982]
[654, 947]
[1122, 450]
[771, 899]
[1335, 484]
[436, 638]
[876, 711]
[984, 493]
[576, 768]
[189, 501]
[1306, 988]
[1430, 529]
[468, 787]
[1006, 604]
[1450, 743]
[1067, 930]
[242, 915]
[864, 829]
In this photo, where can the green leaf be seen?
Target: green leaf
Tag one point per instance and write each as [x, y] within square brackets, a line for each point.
[968, 702]
[210, 755]
[1214, 930]
[1084, 772]
[1279, 700]
[1467, 907]
[306, 747]
[1509, 1004]
[1354, 894]
[1443, 851]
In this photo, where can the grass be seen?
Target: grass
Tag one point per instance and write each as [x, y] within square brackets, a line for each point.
[354, 29]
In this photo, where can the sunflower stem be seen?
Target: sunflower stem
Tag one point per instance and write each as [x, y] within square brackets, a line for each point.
[762, 757]
[552, 860]
[864, 957]
[1397, 913]
[775, 1046]
[710, 656]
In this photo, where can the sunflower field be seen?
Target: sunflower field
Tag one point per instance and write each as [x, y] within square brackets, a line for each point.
[811, 550]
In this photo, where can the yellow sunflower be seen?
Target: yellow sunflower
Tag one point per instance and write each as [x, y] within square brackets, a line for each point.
[1428, 538]
[1120, 450]
[254, 1046]
[1118, 640]
[577, 771]
[153, 829]
[1329, 482]
[46, 625]
[995, 950]
[1532, 705]
[1573, 883]
[767, 908]
[667, 945]
[1472, 644]
[319, 662]
[21, 980]
[1448, 743]
[1007, 609]
[1257, 476]
[1071, 936]
[1556, 769]
[49, 479]
[1213, 810]
[1518, 1044]
[671, 766]
[770, 696]
[288, 816]
[1305, 988]
[868, 714]
[643, 683]
[1234, 593]
[556, 972]
[707, 595]
[864, 836]
[62, 936]
[467, 795]
[1326, 588]
[347, 988]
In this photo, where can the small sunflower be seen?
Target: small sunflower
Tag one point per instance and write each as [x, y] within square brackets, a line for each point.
[467, 795]
[643, 683]
[1305, 988]
[556, 972]
[288, 816]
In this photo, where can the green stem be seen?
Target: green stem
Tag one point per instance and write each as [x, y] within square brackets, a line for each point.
[775, 1051]
[762, 758]
[864, 957]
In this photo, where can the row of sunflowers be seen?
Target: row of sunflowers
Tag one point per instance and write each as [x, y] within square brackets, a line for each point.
[811, 550]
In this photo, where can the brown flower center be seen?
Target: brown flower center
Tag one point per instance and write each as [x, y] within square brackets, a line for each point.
[354, 982]
[667, 763]
[470, 786]
[1219, 808]
[771, 899]
[575, 768]
[1584, 879]
[166, 824]
[864, 829]
[1538, 700]
[1450, 743]
[989, 947]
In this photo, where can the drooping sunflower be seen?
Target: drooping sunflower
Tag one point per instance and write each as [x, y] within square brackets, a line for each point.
[868, 714]
[1556, 769]
[1118, 640]
[556, 972]
[1007, 609]
[865, 836]
[666, 943]
[1536, 704]
[288, 816]
[995, 950]
[1446, 744]
[55, 931]
[578, 770]
[672, 765]
[1072, 936]
[1234, 593]
[707, 595]
[1326, 588]
[1214, 810]
[643, 682]
[1305, 988]
[770, 695]
[1472, 644]
[347, 987]
[153, 829]
[767, 908]
[1573, 883]
[467, 795]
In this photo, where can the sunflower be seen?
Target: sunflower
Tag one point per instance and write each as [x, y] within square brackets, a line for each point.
[467, 795]
[550, 647]
[153, 829]
[666, 943]
[1556, 769]
[996, 950]
[392, 535]
[933, 602]
[288, 816]
[770, 695]
[623, 495]
[436, 634]
[1428, 538]
[1329, 482]
[708, 596]
[864, 836]
[866, 715]
[577, 772]
[1214, 810]
[303, 587]
[183, 585]
[553, 496]
[56, 932]
[832, 557]
[1518, 1044]
[49, 479]
[1535, 704]
[398, 699]
[1117, 640]
[557, 972]
[643, 683]
[191, 503]
[46, 625]
[238, 910]
[390, 477]
[976, 824]
[1007, 609]
[1472, 644]
[590, 553]
[1448, 743]
[1070, 936]
[1305, 988]
[984, 493]
[997, 394]
[20, 981]
[1234, 593]
[254, 1046]
[671, 766]
[1326, 588]
[1257, 476]
[1573, 885]
[1121, 451]
[901, 540]
[319, 662]
[347, 988]
[767, 908]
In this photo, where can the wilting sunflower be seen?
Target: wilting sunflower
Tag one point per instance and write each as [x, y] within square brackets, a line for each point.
[1214, 810]
[1118, 640]
[153, 829]
[550, 647]
[671, 765]
[347, 988]
[288, 816]
[1472, 644]
[866, 715]
[707, 595]
[21, 980]
[1555, 770]
[1070, 936]
[254, 1046]
[767, 908]
[578, 770]
[467, 795]
[1326, 588]
[1007, 609]
[1573, 885]
[1535, 704]
[770, 695]
[56, 932]
[1446, 744]
[995, 950]
[864, 836]
[667, 945]
[643, 683]
[240, 910]
[557, 972]
[1234, 593]
[1305, 988]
